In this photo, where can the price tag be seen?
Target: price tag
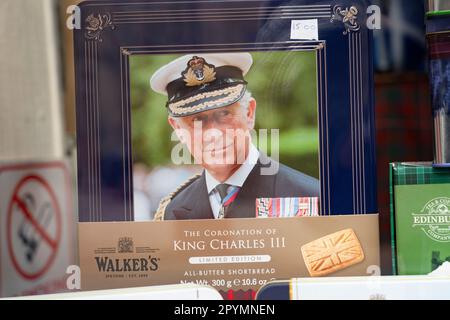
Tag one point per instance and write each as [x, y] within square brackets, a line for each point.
[304, 29]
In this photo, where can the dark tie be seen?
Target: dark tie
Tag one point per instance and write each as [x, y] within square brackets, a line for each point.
[223, 192]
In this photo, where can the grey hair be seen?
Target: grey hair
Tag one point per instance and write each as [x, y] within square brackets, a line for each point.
[245, 100]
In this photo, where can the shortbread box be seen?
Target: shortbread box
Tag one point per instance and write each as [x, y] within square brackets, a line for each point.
[420, 217]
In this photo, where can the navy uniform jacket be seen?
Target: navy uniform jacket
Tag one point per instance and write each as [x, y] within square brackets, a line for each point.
[191, 201]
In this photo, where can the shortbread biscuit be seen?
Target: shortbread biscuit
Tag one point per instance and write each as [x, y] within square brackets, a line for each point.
[332, 253]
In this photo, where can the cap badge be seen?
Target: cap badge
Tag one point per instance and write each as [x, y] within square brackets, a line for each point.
[198, 72]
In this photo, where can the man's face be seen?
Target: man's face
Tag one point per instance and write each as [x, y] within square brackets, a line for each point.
[219, 138]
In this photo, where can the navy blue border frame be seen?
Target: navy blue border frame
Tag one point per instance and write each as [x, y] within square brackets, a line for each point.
[116, 29]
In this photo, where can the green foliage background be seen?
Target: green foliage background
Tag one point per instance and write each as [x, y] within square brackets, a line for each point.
[284, 85]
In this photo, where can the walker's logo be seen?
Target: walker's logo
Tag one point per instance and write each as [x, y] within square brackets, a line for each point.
[125, 245]
[434, 219]
[137, 263]
[106, 264]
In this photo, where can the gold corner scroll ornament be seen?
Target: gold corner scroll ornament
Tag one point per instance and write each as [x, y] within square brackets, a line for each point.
[96, 24]
[349, 16]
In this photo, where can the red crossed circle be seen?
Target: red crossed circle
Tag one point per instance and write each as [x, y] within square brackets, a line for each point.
[53, 243]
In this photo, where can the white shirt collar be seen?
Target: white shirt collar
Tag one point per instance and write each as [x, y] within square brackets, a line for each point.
[238, 178]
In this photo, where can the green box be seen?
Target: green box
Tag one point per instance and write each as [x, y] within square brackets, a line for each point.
[420, 217]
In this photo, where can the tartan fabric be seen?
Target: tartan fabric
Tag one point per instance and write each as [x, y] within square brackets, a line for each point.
[404, 132]
[418, 173]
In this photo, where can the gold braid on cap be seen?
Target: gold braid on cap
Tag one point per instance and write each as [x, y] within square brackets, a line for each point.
[177, 107]
[161, 211]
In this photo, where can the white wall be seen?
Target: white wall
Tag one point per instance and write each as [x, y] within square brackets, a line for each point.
[30, 87]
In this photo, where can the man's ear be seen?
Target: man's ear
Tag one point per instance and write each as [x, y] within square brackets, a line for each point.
[176, 127]
[173, 123]
[251, 113]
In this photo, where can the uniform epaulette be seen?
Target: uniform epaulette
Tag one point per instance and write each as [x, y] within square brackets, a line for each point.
[160, 212]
